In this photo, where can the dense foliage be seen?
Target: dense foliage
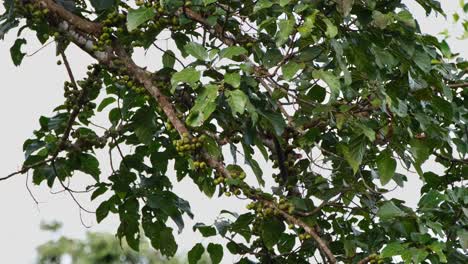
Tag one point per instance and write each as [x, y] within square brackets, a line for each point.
[333, 93]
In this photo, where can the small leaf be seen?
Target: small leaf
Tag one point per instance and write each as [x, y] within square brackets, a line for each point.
[354, 152]
[168, 59]
[290, 69]
[216, 253]
[136, 17]
[232, 51]
[107, 101]
[195, 254]
[386, 166]
[15, 51]
[389, 211]
[196, 50]
[332, 30]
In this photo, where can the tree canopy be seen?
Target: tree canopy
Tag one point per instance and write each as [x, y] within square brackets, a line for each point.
[342, 98]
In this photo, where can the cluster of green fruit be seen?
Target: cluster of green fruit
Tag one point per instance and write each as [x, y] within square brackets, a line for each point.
[286, 206]
[261, 209]
[187, 145]
[304, 236]
[77, 99]
[375, 259]
[199, 165]
[289, 165]
[162, 20]
[233, 190]
[88, 141]
[234, 174]
[125, 80]
[32, 11]
[112, 20]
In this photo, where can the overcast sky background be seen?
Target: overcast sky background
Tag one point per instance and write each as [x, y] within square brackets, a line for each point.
[35, 88]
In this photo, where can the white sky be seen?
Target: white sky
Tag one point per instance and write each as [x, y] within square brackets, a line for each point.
[33, 90]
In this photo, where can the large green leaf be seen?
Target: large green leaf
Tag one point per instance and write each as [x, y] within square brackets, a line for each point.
[271, 231]
[331, 80]
[188, 75]
[196, 50]
[136, 17]
[237, 100]
[204, 106]
[389, 211]
[286, 27]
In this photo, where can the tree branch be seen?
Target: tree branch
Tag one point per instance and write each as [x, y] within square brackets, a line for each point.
[144, 77]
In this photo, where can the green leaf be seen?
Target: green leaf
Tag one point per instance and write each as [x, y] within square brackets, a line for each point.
[233, 79]
[354, 152]
[216, 253]
[168, 245]
[276, 120]
[204, 106]
[381, 20]
[206, 231]
[145, 126]
[102, 211]
[463, 236]
[196, 50]
[136, 17]
[422, 60]
[393, 249]
[237, 100]
[306, 28]
[15, 51]
[332, 30]
[101, 5]
[389, 211]
[168, 59]
[90, 165]
[438, 248]
[386, 166]
[331, 80]
[262, 4]
[286, 27]
[271, 231]
[290, 69]
[195, 254]
[105, 102]
[188, 75]
[232, 51]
